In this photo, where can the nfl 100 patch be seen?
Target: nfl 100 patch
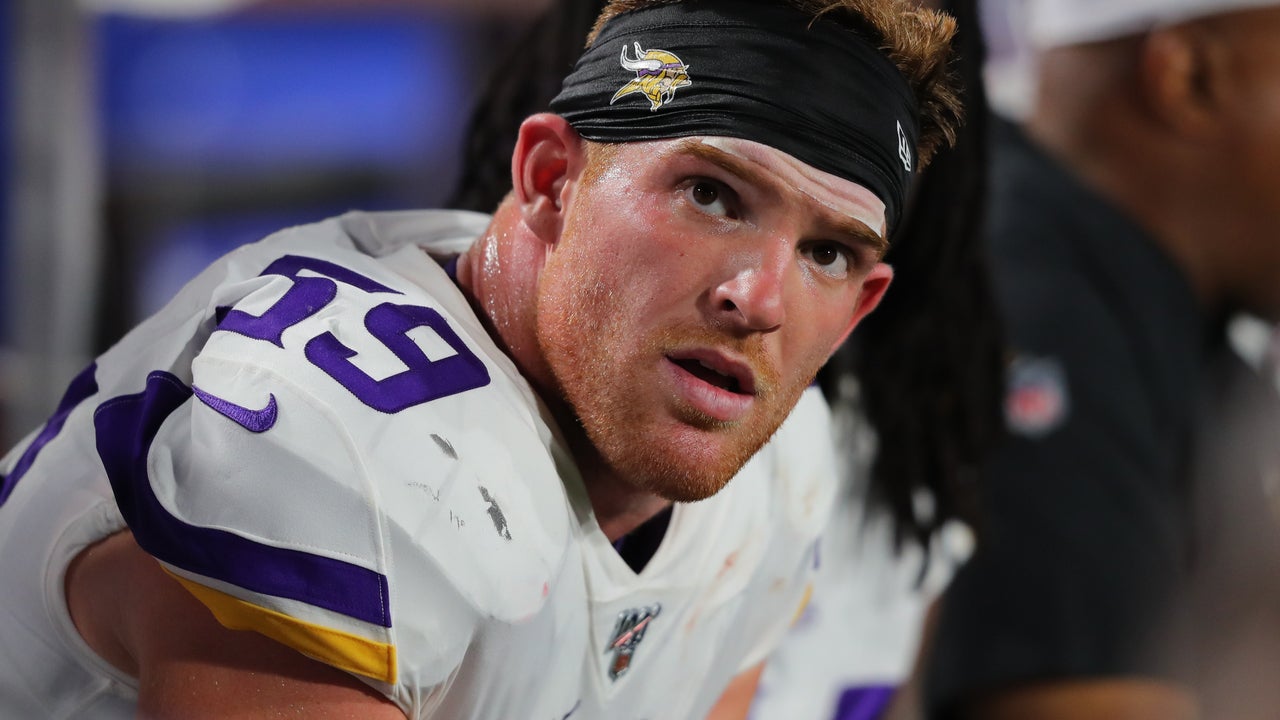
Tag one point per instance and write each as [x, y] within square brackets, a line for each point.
[627, 635]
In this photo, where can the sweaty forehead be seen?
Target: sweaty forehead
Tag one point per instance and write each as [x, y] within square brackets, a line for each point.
[842, 198]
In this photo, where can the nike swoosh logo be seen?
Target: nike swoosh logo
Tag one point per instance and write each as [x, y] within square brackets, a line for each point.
[255, 421]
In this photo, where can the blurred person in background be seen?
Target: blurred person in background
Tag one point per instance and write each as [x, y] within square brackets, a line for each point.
[916, 392]
[442, 464]
[1129, 559]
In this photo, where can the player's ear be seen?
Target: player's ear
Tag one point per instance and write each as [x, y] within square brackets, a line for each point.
[1180, 75]
[548, 157]
[873, 289]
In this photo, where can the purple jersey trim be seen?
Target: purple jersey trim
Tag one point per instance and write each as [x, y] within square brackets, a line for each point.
[866, 702]
[82, 386]
[126, 426]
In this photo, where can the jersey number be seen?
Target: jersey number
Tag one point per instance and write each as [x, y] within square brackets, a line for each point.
[423, 380]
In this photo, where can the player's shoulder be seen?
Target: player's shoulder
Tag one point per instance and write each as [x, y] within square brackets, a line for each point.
[284, 518]
[358, 251]
[332, 457]
[378, 233]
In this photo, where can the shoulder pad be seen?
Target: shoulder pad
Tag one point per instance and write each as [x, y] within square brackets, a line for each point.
[283, 476]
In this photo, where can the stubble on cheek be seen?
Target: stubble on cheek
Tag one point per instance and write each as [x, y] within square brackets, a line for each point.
[608, 374]
[605, 353]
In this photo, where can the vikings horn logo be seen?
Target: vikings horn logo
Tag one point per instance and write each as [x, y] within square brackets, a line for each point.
[658, 74]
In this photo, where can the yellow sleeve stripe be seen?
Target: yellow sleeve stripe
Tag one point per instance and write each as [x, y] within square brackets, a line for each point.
[334, 647]
[804, 603]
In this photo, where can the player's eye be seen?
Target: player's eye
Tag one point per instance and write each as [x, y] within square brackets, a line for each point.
[711, 197]
[831, 258]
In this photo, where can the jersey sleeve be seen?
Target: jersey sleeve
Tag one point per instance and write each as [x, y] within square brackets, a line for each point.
[278, 531]
[342, 468]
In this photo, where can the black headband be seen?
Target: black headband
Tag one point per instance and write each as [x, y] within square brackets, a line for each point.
[755, 70]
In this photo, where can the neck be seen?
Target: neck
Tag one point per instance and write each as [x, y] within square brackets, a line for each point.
[499, 275]
[619, 506]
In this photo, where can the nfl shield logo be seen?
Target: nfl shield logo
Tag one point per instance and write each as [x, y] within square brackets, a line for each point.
[1036, 401]
[627, 634]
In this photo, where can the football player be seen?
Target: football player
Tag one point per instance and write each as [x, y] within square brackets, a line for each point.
[450, 465]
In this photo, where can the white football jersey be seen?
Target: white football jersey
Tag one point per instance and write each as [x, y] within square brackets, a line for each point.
[320, 441]
[856, 640]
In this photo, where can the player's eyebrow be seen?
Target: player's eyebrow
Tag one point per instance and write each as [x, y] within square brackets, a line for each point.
[842, 224]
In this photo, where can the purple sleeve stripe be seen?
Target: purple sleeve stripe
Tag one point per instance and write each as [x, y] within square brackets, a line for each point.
[867, 702]
[126, 426]
[82, 386]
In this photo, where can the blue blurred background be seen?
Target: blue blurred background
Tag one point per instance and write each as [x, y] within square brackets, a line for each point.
[144, 139]
[217, 131]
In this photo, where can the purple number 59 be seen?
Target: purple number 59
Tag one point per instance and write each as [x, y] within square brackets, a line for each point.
[423, 379]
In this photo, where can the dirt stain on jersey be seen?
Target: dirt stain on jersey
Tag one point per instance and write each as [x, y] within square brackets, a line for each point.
[495, 514]
[445, 446]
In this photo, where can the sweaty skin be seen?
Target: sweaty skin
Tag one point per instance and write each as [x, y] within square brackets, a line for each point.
[856, 202]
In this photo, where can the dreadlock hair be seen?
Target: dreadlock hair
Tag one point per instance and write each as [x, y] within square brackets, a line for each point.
[927, 361]
[523, 84]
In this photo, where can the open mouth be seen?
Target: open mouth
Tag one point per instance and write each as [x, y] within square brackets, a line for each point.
[715, 384]
[710, 375]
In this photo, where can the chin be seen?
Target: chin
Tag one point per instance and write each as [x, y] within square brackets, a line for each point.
[684, 468]
[682, 487]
